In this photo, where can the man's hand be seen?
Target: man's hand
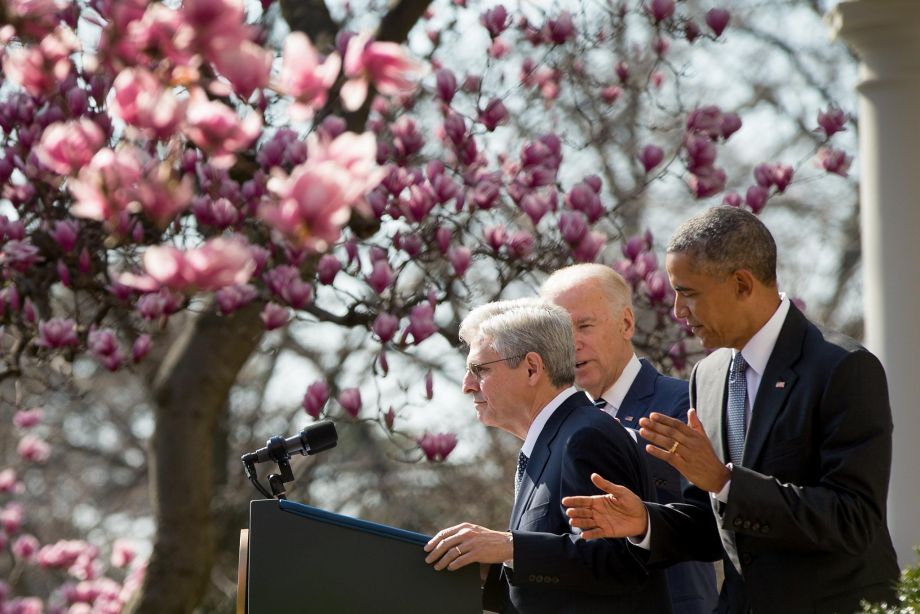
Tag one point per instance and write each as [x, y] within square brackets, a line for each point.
[466, 543]
[619, 513]
[686, 448]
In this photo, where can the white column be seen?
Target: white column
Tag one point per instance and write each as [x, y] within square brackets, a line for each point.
[886, 36]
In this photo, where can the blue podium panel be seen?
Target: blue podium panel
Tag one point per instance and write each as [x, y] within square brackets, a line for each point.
[303, 559]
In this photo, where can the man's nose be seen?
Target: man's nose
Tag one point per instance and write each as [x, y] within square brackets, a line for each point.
[680, 308]
[470, 383]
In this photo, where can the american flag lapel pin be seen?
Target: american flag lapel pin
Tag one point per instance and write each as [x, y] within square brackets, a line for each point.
[781, 384]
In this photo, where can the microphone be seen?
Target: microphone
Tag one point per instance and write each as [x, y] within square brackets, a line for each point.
[313, 439]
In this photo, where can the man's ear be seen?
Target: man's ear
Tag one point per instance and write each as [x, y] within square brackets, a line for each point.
[627, 323]
[534, 364]
[744, 283]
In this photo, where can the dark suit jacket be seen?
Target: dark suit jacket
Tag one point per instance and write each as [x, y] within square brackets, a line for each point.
[804, 527]
[558, 572]
[692, 584]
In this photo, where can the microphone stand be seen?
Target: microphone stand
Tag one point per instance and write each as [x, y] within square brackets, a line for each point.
[277, 451]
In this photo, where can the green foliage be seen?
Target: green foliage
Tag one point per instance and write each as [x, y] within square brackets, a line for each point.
[908, 594]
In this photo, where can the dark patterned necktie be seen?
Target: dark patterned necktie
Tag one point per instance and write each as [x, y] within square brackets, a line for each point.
[600, 403]
[737, 393]
[519, 474]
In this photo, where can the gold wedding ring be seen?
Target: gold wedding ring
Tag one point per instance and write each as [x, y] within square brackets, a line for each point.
[459, 552]
[673, 448]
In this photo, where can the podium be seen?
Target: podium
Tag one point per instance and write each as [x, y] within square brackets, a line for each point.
[298, 558]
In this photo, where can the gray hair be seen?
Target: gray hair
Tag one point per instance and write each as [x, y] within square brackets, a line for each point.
[615, 288]
[517, 327]
[724, 239]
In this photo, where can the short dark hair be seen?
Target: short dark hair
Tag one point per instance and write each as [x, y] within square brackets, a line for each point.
[723, 239]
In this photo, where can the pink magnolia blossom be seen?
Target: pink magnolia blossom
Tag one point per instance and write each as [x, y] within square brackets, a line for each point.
[315, 201]
[636, 244]
[460, 258]
[717, 20]
[246, 66]
[350, 400]
[658, 289]
[123, 552]
[732, 199]
[41, 68]
[25, 548]
[385, 326]
[495, 20]
[118, 183]
[493, 115]
[327, 268]
[650, 157]
[103, 345]
[8, 481]
[446, 85]
[217, 24]
[65, 147]
[28, 418]
[707, 182]
[832, 121]
[834, 161]
[380, 277]
[305, 76]
[589, 247]
[315, 398]
[582, 197]
[274, 316]
[57, 333]
[19, 255]
[437, 447]
[141, 348]
[11, 518]
[660, 9]
[573, 225]
[65, 233]
[33, 449]
[231, 298]
[140, 99]
[34, 18]
[611, 93]
[383, 64]
[421, 322]
[521, 244]
[218, 129]
[558, 31]
[221, 261]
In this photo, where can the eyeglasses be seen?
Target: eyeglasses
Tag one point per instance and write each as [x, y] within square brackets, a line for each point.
[475, 368]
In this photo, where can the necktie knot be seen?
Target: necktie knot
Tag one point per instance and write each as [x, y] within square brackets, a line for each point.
[600, 403]
[739, 364]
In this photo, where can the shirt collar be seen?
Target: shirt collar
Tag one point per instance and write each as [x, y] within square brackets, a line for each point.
[616, 393]
[536, 427]
[757, 350]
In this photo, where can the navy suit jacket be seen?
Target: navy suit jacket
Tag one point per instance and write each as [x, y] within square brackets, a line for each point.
[555, 571]
[692, 584]
[804, 528]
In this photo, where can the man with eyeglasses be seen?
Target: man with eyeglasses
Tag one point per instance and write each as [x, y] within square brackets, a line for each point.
[520, 373]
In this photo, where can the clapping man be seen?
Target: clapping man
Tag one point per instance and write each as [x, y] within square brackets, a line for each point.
[789, 442]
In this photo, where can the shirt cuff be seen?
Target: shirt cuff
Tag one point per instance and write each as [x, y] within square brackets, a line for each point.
[722, 495]
[646, 542]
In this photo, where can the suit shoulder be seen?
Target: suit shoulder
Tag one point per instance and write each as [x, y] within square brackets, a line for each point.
[588, 422]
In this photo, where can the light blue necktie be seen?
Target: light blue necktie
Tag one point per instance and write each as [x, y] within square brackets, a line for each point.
[737, 393]
[519, 474]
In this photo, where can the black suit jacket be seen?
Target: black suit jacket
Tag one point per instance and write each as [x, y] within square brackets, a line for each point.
[692, 584]
[804, 529]
[556, 571]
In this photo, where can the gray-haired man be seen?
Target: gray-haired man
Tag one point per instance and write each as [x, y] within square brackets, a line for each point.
[520, 373]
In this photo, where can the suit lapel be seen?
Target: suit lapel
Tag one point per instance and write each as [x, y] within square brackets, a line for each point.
[634, 405]
[710, 398]
[541, 455]
[778, 379]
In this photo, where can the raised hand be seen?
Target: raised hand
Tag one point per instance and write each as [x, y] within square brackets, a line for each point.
[686, 448]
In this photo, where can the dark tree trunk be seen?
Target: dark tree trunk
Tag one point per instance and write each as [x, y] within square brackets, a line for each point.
[191, 390]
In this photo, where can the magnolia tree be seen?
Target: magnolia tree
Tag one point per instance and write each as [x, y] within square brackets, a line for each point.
[161, 158]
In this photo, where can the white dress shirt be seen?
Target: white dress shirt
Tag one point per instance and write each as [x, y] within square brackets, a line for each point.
[616, 393]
